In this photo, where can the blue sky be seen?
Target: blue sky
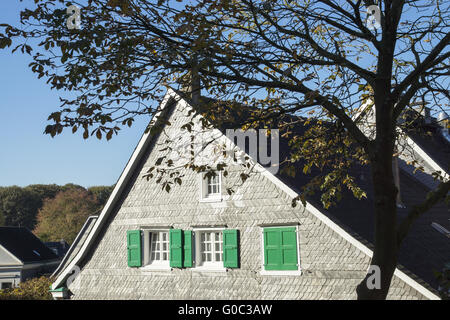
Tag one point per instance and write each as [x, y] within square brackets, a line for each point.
[27, 156]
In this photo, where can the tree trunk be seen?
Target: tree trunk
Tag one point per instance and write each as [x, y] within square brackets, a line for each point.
[386, 248]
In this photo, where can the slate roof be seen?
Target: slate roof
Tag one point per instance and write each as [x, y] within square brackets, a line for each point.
[25, 245]
[60, 248]
[430, 139]
[424, 250]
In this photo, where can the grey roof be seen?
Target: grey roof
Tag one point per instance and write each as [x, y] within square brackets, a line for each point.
[429, 138]
[61, 247]
[25, 245]
[424, 250]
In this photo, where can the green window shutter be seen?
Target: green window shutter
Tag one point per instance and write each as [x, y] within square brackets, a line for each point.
[272, 249]
[280, 249]
[230, 248]
[187, 259]
[134, 248]
[176, 248]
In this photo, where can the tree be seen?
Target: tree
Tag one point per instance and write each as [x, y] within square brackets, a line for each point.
[322, 58]
[44, 191]
[32, 289]
[101, 193]
[2, 219]
[19, 207]
[63, 216]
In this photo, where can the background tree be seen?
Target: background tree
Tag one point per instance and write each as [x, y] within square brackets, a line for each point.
[19, 206]
[2, 219]
[63, 216]
[291, 57]
[32, 289]
[72, 186]
[44, 191]
[102, 193]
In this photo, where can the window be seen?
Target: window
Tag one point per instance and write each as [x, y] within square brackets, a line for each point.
[211, 189]
[280, 247]
[6, 285]
[213, 185]
[156, 248]
[159, 246]
[209, 249]
[204, 249]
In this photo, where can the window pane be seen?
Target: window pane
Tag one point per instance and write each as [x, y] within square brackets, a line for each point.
[159, 246]
[211, 246]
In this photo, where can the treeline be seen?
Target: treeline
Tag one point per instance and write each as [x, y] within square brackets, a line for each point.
[51, 211]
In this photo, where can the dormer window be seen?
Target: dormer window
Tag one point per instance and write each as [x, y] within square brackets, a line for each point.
[211, 188]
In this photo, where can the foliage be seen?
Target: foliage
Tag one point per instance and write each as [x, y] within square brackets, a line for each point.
[63, 216]
[19, 206]
[443, 279]
[32, 289]
[72, 186]
[101, 193]
[44, 191]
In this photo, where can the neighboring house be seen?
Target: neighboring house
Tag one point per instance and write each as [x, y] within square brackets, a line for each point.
[198, 242]
[23, 256]
[59, 248]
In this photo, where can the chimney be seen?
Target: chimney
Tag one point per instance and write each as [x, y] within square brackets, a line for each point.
[191, 82]
[421, 108]
[443, 122]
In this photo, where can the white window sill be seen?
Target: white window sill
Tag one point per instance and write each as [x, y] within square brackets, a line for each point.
[156, 268]
[209, 269]
[280, 272]
[211, 199]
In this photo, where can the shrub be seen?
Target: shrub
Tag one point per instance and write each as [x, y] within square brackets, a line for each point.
[32, 289]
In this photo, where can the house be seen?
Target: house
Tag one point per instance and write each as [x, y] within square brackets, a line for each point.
[23, 256]
[59, 248]
[199, 242]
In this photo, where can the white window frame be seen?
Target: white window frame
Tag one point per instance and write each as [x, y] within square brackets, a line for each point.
[199, 265]
[297, 272]
[147, 264]
[204, 196]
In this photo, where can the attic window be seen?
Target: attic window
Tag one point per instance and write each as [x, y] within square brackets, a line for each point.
[211, 187]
